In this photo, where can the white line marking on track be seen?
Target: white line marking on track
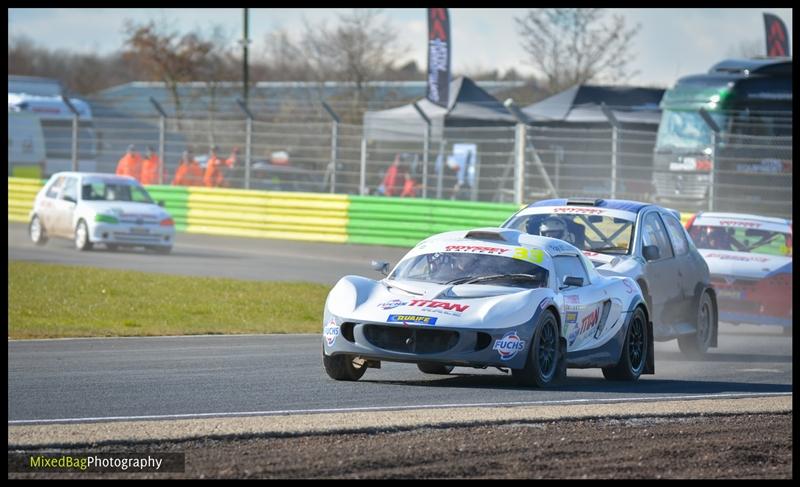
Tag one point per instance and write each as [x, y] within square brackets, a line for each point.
[214, 335]
[395, 408]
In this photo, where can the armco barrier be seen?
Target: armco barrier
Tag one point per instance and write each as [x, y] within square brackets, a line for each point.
[176, 202]
[301, 216]
[404, 222]
[297, 216]
[21, 193]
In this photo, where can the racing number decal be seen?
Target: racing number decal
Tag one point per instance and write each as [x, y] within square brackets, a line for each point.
[534, 255]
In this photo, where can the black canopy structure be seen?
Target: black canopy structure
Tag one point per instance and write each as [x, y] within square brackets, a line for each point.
[469, 106]
[582, 104]
[576, 140]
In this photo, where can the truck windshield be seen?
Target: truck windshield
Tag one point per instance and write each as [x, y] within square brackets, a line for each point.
[685, 129]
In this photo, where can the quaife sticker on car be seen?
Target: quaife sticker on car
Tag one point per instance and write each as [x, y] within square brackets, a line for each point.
[330, 332]
[509, 346]
[423, 320]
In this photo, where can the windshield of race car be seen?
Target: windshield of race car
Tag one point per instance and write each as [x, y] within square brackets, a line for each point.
[469, 268]
[102, 191]
[596, 233]
[750, 240]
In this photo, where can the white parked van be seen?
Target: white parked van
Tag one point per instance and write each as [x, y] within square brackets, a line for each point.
[26, 150]
[41, 97]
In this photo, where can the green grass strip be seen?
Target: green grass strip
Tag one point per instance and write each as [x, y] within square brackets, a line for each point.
[54, 301]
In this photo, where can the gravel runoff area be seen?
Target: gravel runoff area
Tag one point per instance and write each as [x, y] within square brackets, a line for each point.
[716, 438]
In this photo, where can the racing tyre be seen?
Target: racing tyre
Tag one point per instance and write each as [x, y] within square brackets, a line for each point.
[542, 365]
[696, 344]
[36, 231]
[344, 367]
[433, 368]
[82, 241]
[634, 352]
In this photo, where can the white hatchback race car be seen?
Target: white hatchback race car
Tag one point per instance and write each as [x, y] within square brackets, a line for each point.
[92, 208]
[489, 297]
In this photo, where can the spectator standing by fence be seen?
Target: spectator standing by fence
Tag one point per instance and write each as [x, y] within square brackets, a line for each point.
[130, 164]
[409, 186]
[189, 172]
[214, 177]
[391, 180]
[150, 167]
[232, 167]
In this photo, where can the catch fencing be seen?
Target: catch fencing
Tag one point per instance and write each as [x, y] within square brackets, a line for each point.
[500, 164]
[313, 217]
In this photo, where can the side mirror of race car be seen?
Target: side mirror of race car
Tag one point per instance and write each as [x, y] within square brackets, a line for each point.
[650, 252]
[570, 281]
[381, 266]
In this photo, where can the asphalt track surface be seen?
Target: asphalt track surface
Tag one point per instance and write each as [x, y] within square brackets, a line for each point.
[126, 378]
[121, 378]
[216, 256]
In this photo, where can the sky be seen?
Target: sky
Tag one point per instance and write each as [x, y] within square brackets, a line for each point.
[670, 44]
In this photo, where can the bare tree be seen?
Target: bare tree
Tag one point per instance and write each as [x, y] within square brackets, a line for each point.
[359, 49]
[284, 58]
[81, 73]
[748, 48]
[163, 55]
[576, 45]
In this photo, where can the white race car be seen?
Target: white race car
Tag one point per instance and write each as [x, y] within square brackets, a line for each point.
[489, 297]
[750, 260]
[92, 208]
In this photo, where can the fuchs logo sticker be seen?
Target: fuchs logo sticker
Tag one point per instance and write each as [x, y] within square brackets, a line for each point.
[392, 304]
[331, 332]
[509, 346]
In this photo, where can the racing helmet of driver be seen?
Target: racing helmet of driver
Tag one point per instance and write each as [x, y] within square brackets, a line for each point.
[553, 227]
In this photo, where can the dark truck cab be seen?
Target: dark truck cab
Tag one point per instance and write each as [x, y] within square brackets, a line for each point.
[749, 100]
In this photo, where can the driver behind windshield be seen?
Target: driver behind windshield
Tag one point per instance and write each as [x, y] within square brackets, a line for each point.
[553, 227]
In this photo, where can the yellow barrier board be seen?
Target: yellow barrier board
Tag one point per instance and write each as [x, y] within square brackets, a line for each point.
[285, 235]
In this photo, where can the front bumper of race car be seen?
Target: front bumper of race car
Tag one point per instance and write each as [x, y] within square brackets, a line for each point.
[473, 347]
[755, 302]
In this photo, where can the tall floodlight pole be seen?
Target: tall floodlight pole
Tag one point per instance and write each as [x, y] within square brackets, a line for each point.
[245, 42]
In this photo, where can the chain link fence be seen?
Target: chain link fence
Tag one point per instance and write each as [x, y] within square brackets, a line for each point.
[744, 174]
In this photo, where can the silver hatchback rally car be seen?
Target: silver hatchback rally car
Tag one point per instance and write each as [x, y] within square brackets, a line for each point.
[91, 208]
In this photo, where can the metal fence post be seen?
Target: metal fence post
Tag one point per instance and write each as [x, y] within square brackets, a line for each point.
[248, 134]
[334, 143]
[426, 148]
[712, 175]
[75, 116]
[519, 165]
[162, 133]
[614, 147]
[440, 169]
[520, 143]
[363, 175]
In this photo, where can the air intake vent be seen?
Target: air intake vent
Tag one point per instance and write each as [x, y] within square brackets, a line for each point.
[483, 235]
[584, 202]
